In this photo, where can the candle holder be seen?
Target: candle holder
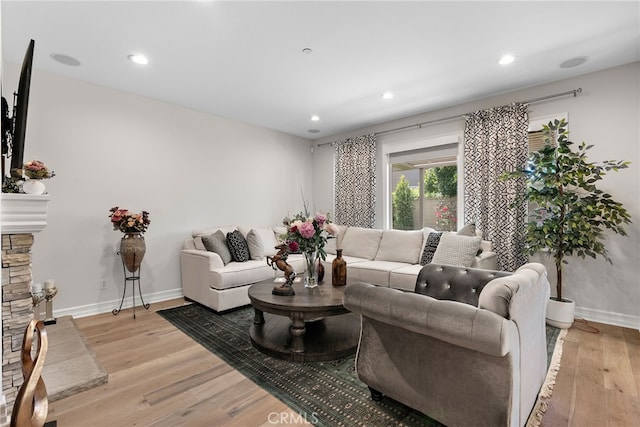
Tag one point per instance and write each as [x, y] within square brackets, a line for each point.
[49, 293]
[36, 299]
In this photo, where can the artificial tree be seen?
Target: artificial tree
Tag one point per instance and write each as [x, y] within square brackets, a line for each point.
[568, 213]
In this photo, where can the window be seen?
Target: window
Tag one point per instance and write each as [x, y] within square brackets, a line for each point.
[424, 188]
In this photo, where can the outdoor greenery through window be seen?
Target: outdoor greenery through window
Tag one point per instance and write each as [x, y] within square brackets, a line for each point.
[425, 194]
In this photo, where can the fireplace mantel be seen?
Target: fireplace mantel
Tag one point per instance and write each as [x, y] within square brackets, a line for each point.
[23, 213]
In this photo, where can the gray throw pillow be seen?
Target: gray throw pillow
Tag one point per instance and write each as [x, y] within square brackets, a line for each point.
[454, 249]
[238, 246]
[217, 242]
[468, 230]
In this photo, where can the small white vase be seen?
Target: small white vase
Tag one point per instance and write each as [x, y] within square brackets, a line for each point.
[33, 186]
[560, 313]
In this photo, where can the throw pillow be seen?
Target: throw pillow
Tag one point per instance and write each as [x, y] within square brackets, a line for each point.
[268, 239]
[430, 247]
[238, 246]
[217, 242]
[256, 250]
[454, 249]
[468, 230]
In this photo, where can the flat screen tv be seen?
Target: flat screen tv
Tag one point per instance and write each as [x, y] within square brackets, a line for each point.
[19, 128]
[22, 106]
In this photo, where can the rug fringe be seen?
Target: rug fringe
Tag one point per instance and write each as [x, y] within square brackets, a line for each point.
[546, 391]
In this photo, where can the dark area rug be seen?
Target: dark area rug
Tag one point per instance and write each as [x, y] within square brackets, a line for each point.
[324, 393]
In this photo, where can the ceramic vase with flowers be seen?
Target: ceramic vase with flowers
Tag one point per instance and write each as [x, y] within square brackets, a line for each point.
[308, 235]
[34, 172]
[132, 244]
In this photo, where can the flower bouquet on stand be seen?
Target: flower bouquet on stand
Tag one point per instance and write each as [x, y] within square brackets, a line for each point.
[132, 244]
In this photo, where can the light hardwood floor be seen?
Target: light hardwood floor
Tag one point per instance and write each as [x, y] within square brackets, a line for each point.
[160, 377]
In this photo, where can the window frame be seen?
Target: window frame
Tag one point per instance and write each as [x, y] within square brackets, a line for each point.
[418, 144]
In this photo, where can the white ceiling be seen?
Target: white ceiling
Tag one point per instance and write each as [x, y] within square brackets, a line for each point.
[244, 60]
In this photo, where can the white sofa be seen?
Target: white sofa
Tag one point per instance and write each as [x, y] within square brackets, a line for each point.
[388, 258]
[391, 258]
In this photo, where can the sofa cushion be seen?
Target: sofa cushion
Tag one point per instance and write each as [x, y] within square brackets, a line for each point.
[238, 246]
[238, 274]
[400, 246]
[454, 249]
[375, 272]
[361, 242]
[217, 242]
[198, 244]
[430, 247]
[404, 278]
[261, 242]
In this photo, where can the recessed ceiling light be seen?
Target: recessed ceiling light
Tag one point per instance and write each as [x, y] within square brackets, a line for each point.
[574, 62]
[307, 50]
[506, 60]
[314, 118]
[314, 131]
[387, 95]
[65, 59]
[138, 59]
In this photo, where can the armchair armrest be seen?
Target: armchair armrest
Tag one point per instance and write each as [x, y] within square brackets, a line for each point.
[456, 323]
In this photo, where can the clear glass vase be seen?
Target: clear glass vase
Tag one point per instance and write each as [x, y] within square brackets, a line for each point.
[311, 269]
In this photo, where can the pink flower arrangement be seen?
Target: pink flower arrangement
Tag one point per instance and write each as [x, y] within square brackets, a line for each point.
[308, 233]
[127, 222]
[35, 169]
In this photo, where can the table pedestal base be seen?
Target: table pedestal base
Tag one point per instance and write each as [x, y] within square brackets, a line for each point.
[295, 340]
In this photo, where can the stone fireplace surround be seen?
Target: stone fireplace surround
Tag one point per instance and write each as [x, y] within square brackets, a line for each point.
[23, 215]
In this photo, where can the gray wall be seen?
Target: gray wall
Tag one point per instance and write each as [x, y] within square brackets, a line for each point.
[188, 169]
[605, 114]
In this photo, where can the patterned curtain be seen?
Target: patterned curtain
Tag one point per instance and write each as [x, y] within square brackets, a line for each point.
[495, 141]
[355, 181]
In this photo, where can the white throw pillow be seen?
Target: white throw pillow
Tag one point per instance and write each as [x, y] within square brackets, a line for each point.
[400, 246]
[336, 241]
[361, 242]
[454, 249]
[261, 242]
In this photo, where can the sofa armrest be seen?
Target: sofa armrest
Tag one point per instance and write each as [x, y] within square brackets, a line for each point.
[211, 259]
[195, 269]
[487, 260]
[453, 322]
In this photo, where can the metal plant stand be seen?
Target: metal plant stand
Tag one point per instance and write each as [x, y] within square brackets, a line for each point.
[133, 278]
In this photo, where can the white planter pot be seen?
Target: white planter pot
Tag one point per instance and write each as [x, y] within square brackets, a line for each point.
[560, 313]
[33, 186]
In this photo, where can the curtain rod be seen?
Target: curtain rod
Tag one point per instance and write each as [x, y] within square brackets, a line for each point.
[573, 92]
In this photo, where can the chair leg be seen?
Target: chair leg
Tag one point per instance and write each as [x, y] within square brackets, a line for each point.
[376, 396]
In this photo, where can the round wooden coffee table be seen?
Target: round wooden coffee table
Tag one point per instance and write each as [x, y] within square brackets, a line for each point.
[310, 326]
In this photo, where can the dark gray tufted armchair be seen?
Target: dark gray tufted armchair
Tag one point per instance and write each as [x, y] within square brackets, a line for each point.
[468, 347]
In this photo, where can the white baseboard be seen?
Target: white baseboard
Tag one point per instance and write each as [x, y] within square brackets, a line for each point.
[608, 317]
[107, 306]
